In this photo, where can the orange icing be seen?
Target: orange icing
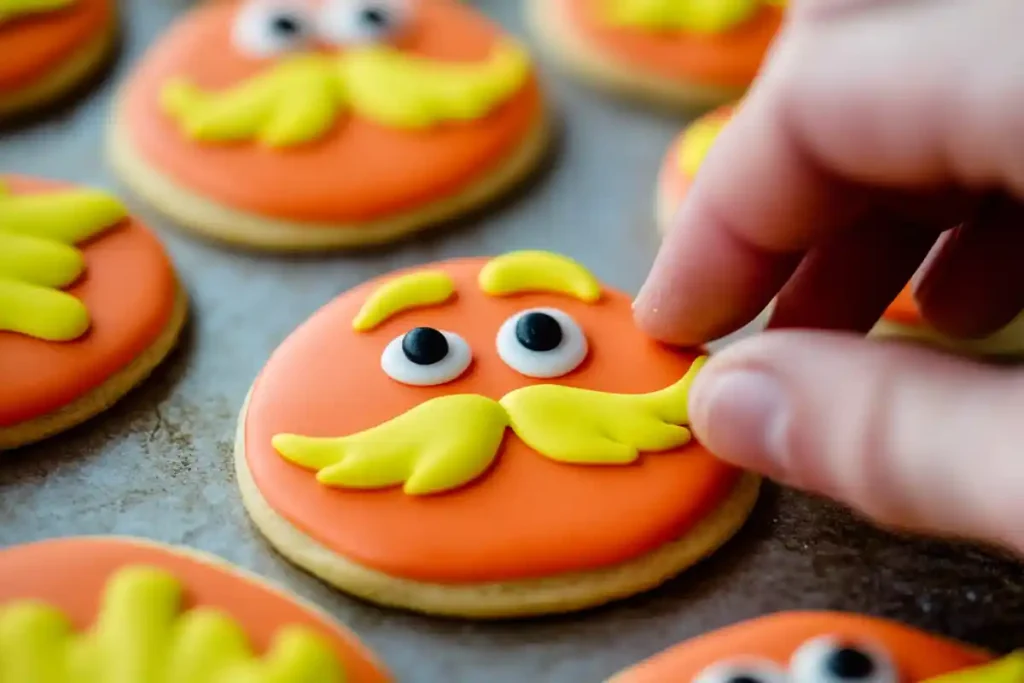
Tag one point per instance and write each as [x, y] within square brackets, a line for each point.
[71, 574]
[33, 46]
[727, 59]
[129, 288]
[513, 522]
[918, 655]
[361, 170]
[904, 309]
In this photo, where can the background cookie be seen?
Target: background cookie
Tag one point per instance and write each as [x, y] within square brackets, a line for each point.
[822, 647]
[49, 48]
[665, 52]
[431, 439]
[411, 113]
[89, 305]
[133, 611]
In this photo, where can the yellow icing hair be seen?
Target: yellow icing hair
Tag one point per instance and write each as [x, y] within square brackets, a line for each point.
[538, 271]
[697, 16]
[15, 8]
[413, 290]
[299, 100]
[141, 635]
[448, 442]
[37, 258]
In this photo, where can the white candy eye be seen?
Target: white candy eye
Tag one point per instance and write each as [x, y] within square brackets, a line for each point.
[265, 28]
[425, 357]
[542, 343]
[833, 660]
[357, 22]
[751, 671]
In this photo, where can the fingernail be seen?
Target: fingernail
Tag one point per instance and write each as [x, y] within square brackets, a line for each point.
[742, 416]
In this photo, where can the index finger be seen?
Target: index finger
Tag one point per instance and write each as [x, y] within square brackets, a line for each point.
[754, 209]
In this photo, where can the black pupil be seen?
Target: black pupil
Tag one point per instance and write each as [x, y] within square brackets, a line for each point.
[850, 664]
[375, 17]
[743, 679]
[539, 332]
[287, 25]
[425, 346]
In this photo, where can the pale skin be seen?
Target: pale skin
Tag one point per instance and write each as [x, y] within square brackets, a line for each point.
[876, 127]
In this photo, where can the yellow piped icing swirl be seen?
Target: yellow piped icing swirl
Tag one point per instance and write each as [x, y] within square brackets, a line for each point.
[141, 635]
[38, 258]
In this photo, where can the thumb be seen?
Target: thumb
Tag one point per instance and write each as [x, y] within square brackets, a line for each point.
[910, 437]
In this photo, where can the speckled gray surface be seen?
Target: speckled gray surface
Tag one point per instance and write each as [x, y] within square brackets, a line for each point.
[158, 464]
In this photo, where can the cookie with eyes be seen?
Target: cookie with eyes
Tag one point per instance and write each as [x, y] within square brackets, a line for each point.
[89, 305]
[824, 647]
[116, 609]
[433, 439]
[49, 47]
[675, 53]
[318, 124]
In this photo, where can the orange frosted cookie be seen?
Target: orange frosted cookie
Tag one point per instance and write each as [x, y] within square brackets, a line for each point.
[112, 609]
[483, 438]
[89, 305]
[49, 47]
[903, 320]
[823, 647]
[683, 160]
[675, 52]
[314, 124]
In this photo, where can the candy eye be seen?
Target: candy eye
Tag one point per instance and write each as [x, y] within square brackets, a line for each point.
[354, 22]
[742, 672]
[265, 29]
[542, 343]
[831, 660]
[425, 357]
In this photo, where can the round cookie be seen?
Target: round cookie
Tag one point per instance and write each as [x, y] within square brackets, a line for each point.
[89, 305]
[665, 52]
[317, 124]
[903, 320]
[432, 438]
[683, 160]
[50, 47]
[114, 609]
[823, 647]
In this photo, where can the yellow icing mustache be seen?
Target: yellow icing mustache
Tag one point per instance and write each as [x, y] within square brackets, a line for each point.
[141, 636]
[1010, 669]
[299, 100]
[37, 258]
[698, 16]
[447, 442]
[14, 8]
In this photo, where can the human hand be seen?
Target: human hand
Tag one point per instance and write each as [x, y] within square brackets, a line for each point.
[875, 127]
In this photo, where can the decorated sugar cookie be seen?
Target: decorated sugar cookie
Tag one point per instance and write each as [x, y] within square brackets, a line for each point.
[680, 53]
[49, 47]
[682, 161]
[903, 320]
[89, 305]
[824, 647]
[109, 609]
[433, 440]
[314, 124]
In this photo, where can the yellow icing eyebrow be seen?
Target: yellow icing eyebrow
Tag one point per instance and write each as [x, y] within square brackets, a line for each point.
[520, 272]
[697, 141]
[405, 292]
[1010, 669]
[143, 634]
[697, 16]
